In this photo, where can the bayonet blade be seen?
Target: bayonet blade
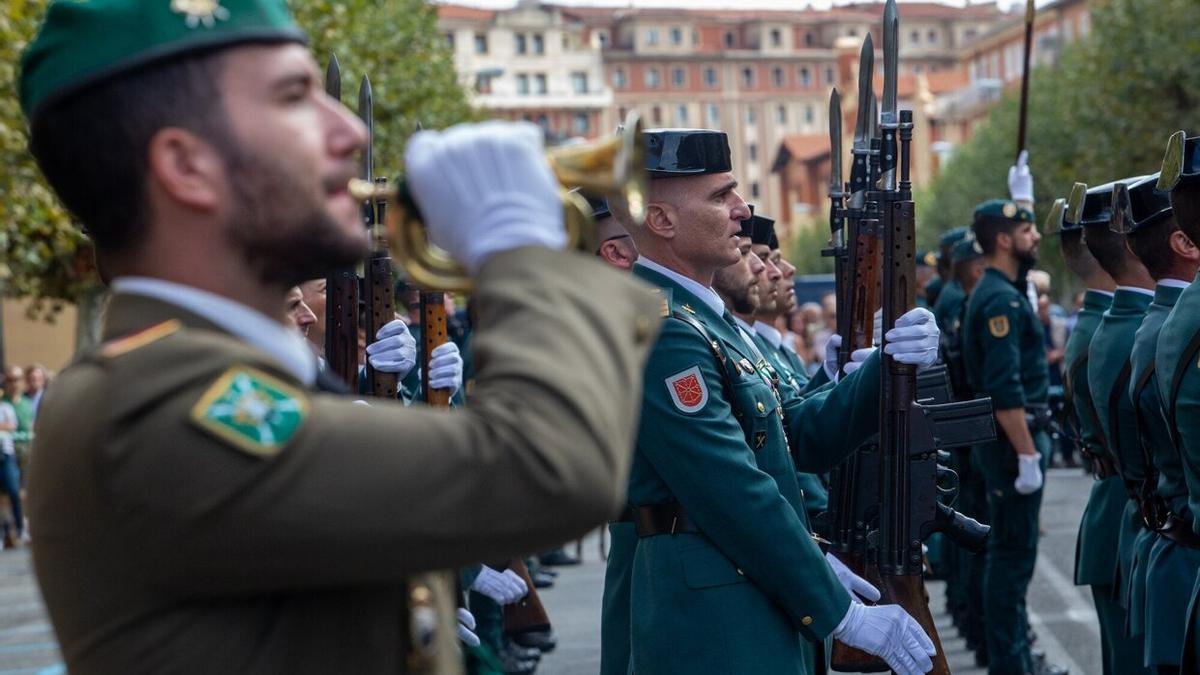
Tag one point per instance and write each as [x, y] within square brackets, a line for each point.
[891, 57]
[866, 73]
[835, 143]
[873, 119]
[333, 78]
[365, 105]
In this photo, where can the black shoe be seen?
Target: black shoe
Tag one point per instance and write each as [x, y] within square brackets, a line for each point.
[542, 580]
[557, 558]
[542, 640]
[514, 666]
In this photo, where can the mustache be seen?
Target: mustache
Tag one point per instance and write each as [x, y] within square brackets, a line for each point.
[339, 179]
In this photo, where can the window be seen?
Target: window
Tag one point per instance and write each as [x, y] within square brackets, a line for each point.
[915, 37]
[483, 83]
[539, 84]
[619, 79]
[932, 37]
[602, 38]
[450, 41]
[747, 76]
[652, 80]
[539, 45]
[580, 123]
[776, 38]
[751, 118]
[805, 77]
[695, 37]
[809, 40]
[777, 76]
[853, 32]
[480, 43]
[752, 152]
[729, 39]
[714, 115]
[754, 192]
[710, 76]
[656, 114]
[519, 43]
[808, 114]
[781, 114]
[681, 116]
[579, 83]
[678, 77]
[652, 36]
[676, 36]
[522, 84]
[828, 74]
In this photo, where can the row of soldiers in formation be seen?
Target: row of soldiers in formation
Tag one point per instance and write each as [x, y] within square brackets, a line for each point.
[1131, 374]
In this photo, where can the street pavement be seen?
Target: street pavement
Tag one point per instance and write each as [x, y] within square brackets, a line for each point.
[1061, 613]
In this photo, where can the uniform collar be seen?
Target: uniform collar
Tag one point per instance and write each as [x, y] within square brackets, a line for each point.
[285, 345]
[769, 333]
[1097, 301]
[1174, 283]
[1166, 294]
[1097, 291]
[706, 295]
[1130, 300]
[1137, 289]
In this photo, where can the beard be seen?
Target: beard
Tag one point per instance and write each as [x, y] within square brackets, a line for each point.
[1026, 259]
[743, 296]
[285, 233]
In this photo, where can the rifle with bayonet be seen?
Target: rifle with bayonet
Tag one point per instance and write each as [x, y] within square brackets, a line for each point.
[341, 290]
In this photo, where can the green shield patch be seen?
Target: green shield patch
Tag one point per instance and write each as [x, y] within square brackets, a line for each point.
[252, 411]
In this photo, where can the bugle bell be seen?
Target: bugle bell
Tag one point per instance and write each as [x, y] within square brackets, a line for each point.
[613, 167]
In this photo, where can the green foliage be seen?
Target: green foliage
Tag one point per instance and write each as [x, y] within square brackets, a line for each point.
[803, 249]
[396, 42]
[1103, 113]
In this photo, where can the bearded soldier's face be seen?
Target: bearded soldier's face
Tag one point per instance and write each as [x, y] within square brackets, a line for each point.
[739, 282]
[288, 206]
[1025, 243]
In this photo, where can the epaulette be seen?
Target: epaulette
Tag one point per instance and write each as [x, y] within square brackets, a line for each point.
[125, 344]
[665, 295]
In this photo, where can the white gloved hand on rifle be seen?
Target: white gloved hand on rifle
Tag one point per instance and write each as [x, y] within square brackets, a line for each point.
[394, 349]
[887, 631]
[504, 588]
[855, 585]
[1020, 180]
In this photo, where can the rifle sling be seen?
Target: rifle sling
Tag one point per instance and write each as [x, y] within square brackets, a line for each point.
[1143, 438]
[1181, 368]
[1120, 387]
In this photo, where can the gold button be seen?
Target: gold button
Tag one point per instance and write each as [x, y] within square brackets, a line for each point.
[807, 621]
[641, 329]
[761, 407]
[740, 572]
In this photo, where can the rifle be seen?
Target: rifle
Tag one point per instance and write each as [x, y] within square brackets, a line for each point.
[1029, 12]
[341, 289]
[526, 615]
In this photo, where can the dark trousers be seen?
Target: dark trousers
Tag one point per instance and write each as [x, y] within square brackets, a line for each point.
[11, 476]
[1011, 554]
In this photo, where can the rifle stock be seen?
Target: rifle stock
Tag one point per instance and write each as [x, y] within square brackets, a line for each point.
[528, 614]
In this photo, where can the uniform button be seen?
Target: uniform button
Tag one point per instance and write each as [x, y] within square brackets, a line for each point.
[807, 621]
[761, 407]
[641, 329]
[740, 572]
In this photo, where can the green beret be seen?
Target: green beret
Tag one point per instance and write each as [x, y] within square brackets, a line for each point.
[952, 236]
[83, 43]
[1003, 208]
[966, 249]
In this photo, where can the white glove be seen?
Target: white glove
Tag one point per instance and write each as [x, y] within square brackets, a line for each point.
[446, 367]
[394, 349]
[887, 631]
[504, 588]
[831, 356]
[1020, 181]
[466, 628]
[857, 358]
[1029, 474]
[915, 338]
[485, 188]
[855, 585]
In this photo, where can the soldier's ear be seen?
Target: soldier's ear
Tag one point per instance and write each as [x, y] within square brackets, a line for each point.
[661, 220]
[1183, 246]
[185, 169]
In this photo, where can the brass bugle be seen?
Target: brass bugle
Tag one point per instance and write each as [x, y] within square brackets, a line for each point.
[613, 167]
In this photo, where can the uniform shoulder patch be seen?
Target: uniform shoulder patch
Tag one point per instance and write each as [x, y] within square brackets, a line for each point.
[123, 345]
[254, 412]
[688, 391]
[998, 326]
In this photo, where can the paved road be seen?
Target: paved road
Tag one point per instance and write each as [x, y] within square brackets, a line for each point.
[1061, 613]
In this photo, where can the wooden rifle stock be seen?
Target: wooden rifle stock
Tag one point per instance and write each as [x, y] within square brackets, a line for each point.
[527, 615]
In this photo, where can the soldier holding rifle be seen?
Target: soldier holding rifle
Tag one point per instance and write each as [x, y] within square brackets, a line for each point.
[222, 516]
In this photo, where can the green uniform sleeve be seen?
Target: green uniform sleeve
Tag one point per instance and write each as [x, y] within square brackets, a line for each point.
[1000, 342]
[827, 425]
[703, 458]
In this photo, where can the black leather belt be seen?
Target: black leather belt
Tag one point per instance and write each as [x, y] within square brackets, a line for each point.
[1102, 465]
[1180, 531]
[628, 515]
[659, 519]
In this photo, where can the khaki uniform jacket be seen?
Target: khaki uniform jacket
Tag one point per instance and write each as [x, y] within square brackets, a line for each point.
[164, 548]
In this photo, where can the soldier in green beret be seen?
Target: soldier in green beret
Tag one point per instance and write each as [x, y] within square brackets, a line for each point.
[222, 515]
[1173, 558]
[1176, 358]
[726, 576]
[1005, 358]
[945, 271]
[1108, 377]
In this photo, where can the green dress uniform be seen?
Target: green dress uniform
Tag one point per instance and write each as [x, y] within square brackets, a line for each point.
[1005, 357]
[949, 303]
[1183, 407]
[1172, 566]
[1109, 373]
[233, 521]
[726, 575]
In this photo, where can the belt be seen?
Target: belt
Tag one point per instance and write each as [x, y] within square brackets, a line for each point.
[628, 515]
[1180, 531]
[659, 519]
[1102, 465]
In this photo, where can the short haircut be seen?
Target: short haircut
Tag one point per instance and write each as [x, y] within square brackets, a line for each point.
[1152, 245]
[1079, 259]
[987, 228]
[1107, 247]
[1185, 204]
[92, 145]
